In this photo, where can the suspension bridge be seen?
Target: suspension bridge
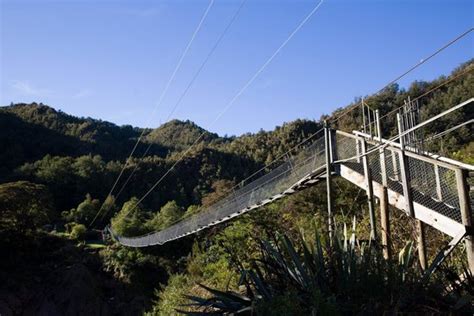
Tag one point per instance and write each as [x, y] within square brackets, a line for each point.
[396, 171]
[431, 189]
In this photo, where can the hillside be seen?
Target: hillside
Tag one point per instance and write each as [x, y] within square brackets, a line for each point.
[31, 131]
[75, 156]
[177, 134]
[56, 171]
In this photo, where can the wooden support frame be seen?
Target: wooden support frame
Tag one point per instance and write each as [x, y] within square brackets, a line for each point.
[369, 189]
[384, 208]
[439, 192]
[358, 149]
[405, 172]
[466, 214]
[327, 143]
[420, 238]
[396, 173]
[440, 222]
[405, 177]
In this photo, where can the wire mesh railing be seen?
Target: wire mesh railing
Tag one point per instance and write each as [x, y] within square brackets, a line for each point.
[250, 195]
[432, 184]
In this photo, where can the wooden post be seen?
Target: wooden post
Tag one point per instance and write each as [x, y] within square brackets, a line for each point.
[439, 193]
[384, 209]
[289, 161]
[250, 198]
[363, 115]
[396, 174]
[332, 141]
[420, 234]
[358, 149]
[405, 177]
[404, 171]
[370, 122]
[466, 214]
[369, 188]
[327, 142]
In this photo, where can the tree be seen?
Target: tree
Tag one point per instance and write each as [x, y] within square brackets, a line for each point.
[24, 206]
[192, 209]
[85, 211]
[130, 220]
[167, 215]
[221, 188]
[108, 208]
[78, 232]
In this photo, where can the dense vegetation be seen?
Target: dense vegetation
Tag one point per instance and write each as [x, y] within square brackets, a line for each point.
[56, 171]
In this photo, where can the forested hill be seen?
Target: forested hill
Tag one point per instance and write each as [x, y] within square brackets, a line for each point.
[56, 171]
[31, 131]
[75, 156]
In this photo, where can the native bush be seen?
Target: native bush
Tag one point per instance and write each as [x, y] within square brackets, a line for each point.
[338, 276]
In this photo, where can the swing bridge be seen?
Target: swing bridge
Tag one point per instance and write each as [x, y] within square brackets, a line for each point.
[431, 189]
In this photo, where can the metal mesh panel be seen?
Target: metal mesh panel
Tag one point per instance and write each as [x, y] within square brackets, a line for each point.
[374, 166]
[346, 147]
[422, 177]
[425, 188]
[439, 195]
[392, 165]
[449, 190]
[470, 181]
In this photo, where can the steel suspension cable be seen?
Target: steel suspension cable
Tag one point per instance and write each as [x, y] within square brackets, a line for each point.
[452, 78]
[280, 156]
[376, 148]
[183, 94]
[443, 133]
[469, 69]
[160, 100]
[232, 101]
[265, 166]
[410, 130]
[421, 62]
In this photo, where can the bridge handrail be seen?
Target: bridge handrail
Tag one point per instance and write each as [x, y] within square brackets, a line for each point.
[410, 151]
[232, 203]
[300, 167]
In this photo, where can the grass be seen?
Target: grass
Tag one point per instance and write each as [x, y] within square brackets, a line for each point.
[60, 234]
[95, 246]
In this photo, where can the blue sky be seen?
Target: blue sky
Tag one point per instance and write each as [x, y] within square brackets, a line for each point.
[111, 59]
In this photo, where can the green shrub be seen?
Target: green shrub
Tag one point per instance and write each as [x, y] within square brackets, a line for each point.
[130, 220]
[170, 297]
[78, 232]
[344, 276]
